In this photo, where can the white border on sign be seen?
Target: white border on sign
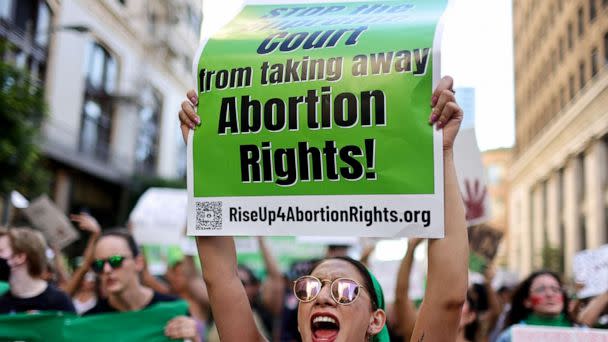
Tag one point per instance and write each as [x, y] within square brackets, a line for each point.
[393, 202]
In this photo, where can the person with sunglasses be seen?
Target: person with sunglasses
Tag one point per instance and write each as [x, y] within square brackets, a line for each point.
[119, 264]
[339, 301]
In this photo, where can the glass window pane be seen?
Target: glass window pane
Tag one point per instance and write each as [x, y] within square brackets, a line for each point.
[6, 8]
[90, 124]
[43, 28]
[111, 74]
[95, 71]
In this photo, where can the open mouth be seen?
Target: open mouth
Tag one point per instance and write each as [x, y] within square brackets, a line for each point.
[325, 328]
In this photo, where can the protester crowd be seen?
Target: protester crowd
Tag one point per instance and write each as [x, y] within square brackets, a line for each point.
[225, 301]
[113, 277]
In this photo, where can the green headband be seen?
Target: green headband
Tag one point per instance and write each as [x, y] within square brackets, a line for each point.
[383, 335]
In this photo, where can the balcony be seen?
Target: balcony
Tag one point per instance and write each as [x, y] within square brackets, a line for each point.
[62, 144]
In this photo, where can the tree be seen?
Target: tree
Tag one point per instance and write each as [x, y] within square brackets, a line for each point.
[22, 110]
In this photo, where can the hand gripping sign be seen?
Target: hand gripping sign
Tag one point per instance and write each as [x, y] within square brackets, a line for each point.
[314, 122]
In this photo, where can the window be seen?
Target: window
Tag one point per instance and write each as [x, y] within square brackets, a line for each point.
[581, 74]
[494, 174]
[595, 61]
[6, 9]
[592, 10]
[146, 151]
[43, 26]
[582, 226]
[560, 206]
[571, 86]
[194, 19]
[101, 76]
[581, 177]
[30, 20]
[606, 48]
[570, 36]
[562, 95]
[581, 21]
[561, 49]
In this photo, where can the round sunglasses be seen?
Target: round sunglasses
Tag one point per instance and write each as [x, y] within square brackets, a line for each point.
[115, 261]
[344, 291]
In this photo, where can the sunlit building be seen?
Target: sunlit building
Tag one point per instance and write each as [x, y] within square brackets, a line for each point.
[115, 73]
[496, 163]
[559, 190]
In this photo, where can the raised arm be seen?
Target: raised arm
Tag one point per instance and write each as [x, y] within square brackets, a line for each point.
[448, 257]
[89, 224]
[592, 312]
[229, 303]
[404, 307]
[494, 306]
[274, 284]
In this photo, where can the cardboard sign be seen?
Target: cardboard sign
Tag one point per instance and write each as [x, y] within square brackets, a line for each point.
[591, 269]
[484, 240]
[315, 122]
[470, 172]
[56, 227]
[550, 334]
[159, 217]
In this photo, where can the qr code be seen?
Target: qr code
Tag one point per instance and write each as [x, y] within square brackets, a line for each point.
[208, 215]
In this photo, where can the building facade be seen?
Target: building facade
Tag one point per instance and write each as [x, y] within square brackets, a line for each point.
[496, 163]
[115, 73]
[558, 201]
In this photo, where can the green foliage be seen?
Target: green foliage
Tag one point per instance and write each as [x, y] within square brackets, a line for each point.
[22, 110]
[553, 259]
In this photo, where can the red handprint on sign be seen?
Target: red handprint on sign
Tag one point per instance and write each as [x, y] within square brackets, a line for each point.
[474, 200]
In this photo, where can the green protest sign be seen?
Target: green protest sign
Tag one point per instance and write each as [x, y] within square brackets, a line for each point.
[315, 122]
[112, 327]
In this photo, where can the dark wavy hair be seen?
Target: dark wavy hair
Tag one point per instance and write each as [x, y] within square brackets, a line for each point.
[367, 279]
[519, 311]
[471, 329]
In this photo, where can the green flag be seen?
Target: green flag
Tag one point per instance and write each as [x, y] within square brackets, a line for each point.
[144, 325]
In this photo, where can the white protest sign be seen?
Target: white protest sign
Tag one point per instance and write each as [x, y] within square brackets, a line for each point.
[18, 201]
[329, 240]
[591, 269]
[56, 227]
[470, 171]
[551, 334]
[159, 218]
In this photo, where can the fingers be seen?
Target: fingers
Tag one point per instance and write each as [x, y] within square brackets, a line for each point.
[181, 328]
[192, 96]
[444, 109]
[76, 218]
[446, 83]
[188, 116]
